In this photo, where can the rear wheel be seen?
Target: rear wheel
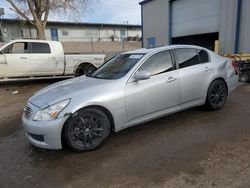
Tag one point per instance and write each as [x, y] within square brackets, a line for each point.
[86, 130]
[84, 69]
[217, 95]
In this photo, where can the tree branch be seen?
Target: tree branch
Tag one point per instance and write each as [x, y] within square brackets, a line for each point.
[40, 9]
[33, 11]
[20, 12]
[47, 8]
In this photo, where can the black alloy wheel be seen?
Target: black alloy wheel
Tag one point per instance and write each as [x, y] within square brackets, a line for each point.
[86, 130]
[217, 95]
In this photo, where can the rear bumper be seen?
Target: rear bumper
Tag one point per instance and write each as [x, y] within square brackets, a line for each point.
[232, 82]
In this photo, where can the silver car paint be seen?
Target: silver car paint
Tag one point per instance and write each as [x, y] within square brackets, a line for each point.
[130, 102]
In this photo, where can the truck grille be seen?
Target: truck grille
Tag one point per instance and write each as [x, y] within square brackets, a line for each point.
[28, 112]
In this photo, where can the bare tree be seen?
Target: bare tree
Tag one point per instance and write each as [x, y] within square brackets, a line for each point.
[36, 12]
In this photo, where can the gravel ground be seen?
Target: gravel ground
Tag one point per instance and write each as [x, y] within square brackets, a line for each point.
[193, 148]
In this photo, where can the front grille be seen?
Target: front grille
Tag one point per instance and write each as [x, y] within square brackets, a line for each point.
[28, 112]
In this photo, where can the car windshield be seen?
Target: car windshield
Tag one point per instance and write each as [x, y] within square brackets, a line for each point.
[117, 67]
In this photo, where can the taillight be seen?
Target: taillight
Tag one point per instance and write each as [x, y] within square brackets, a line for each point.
[234, 64]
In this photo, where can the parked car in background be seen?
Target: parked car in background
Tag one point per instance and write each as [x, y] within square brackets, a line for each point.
[22, 59]
[131, 88]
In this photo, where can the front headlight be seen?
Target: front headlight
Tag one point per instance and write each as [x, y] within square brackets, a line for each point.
[51, 112]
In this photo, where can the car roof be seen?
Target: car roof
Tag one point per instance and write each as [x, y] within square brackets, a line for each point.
[169, 47]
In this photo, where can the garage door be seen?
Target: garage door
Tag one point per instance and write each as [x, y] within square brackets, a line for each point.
[191, 17]
[204, 40]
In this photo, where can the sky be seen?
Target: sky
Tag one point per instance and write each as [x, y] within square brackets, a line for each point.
[96, 11]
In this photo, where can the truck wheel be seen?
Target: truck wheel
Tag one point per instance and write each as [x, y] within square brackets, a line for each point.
[86, 130]
[216, 95]
[84, 69]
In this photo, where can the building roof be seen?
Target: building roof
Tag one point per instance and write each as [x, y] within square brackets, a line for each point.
[77, 23]
[147, 1]
[144, 2]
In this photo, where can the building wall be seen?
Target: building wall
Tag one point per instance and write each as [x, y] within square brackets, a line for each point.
[71, 33]
[228, 12]
[10, 31]
[228, 27]
[155, 22]
[195, 17]
[86, 33]
[244, 43]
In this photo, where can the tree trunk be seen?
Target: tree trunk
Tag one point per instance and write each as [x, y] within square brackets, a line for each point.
[40, 31]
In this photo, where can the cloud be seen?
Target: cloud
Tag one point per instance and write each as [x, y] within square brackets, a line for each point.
[97, 11]
[113, 11]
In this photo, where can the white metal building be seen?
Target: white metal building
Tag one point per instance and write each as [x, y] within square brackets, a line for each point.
[199, 22]
[70, 31]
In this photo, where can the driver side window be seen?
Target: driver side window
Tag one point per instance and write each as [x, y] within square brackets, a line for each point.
[16, 48]
[158, 63]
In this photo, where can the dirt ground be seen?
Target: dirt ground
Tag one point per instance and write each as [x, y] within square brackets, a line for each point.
[194, 148]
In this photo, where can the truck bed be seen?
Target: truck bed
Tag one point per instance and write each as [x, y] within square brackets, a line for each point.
[74, 60]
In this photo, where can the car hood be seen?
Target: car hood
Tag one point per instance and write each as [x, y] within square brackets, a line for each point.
[64, 90]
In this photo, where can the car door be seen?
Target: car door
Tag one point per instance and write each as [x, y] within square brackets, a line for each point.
[42, 60]
[193, 76]
[158, 93]
[17, 60]
[3, 65]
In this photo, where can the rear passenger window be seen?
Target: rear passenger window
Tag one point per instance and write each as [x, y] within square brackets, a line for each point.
[158, 63]
[40, 48]
[187, 57]
[203, 56]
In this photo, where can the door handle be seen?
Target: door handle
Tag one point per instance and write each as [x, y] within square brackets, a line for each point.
[171, 79]
[23, 58]
[208, 69]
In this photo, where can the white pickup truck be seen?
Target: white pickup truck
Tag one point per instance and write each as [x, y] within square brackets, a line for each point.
[35, 59]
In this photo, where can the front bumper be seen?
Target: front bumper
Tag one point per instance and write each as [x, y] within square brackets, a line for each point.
[44, 134]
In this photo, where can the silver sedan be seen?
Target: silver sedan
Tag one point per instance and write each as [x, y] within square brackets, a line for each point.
[131, 88]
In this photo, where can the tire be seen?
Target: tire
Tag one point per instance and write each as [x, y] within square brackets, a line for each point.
[86, 130]
[84, 69]
[216, 95]
[244, 78]
[248, 77]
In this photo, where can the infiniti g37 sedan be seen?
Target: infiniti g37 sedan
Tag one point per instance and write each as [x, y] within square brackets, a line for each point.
[129, 89]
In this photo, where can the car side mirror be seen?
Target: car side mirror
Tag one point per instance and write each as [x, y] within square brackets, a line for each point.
[142, 75]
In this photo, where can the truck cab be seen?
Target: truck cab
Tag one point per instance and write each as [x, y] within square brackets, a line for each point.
[25, 58]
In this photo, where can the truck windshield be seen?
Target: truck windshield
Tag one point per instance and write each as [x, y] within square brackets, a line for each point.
[117, 67]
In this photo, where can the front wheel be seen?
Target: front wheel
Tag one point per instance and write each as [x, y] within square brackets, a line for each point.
[86, 129]
[217, 95]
